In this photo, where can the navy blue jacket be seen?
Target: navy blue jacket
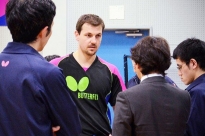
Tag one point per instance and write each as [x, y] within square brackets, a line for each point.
[33, 95]
[196, 121]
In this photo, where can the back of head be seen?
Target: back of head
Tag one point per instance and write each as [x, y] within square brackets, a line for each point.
[51, 57]
[91, 19]
[191, 48]
[152, 54]
[26, 18]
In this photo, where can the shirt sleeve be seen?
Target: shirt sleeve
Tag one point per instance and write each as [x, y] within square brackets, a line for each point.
[55, 61]
[114, 70]
[117, 84]
[117, 73]
[62, 110]
[115, 89]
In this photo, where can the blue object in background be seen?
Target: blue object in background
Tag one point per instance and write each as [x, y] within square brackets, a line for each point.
[114, 46]
[3, 20]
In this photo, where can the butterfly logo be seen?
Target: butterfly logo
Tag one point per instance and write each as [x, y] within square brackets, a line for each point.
[4, 64]
[74, 86]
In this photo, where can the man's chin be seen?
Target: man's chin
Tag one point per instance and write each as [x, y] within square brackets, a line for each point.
[91, 53]
[186, 83]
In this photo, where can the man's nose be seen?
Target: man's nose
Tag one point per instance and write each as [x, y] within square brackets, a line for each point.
[93, 40]
[179, 73]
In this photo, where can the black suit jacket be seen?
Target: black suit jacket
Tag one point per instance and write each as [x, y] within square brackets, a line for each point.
[152, 108]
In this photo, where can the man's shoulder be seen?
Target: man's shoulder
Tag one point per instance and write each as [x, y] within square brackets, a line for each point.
[45, 68]
[106, 63]
[114, 70]
[136, 89]
[56, 61]
[111, 66]
[170, 81]
[197, 84]
[198, 89]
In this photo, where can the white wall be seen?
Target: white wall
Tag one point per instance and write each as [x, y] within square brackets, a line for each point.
[57, 42]
[5, 37]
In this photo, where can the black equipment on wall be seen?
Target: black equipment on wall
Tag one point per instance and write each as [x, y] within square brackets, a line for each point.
[126, 68]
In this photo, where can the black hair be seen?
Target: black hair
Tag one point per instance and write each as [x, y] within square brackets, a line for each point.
[191, 48]
[51, 57]
[152, 54]
[26, 18]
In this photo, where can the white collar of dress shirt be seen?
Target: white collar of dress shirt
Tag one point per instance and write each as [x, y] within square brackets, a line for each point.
[150, 75]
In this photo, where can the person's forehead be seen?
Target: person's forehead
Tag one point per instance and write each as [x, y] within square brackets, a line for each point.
[179, 61]
[89, 27]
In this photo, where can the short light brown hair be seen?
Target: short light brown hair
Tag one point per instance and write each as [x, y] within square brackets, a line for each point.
[92, 19]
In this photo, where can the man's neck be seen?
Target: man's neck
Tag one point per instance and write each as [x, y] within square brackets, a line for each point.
[36, 45]
[84, 60]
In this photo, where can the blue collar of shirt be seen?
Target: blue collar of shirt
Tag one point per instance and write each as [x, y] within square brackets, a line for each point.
[20, 48]
[196, 82]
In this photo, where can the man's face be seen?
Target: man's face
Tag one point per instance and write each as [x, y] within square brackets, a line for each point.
[89, 39]
[185, 72]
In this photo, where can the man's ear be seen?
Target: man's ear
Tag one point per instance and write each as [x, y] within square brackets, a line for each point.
[43, 32]
[76, 35]
[193, 63]
[138, 66]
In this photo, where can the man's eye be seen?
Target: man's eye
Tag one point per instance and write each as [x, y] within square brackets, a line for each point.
[88, 35]
[98, 36]
[179, 67]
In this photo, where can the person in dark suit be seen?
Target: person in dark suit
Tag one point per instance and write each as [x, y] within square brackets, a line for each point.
[190, 60]
[154, 107]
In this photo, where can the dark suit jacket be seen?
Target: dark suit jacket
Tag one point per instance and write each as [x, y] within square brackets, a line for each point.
[152, 108]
